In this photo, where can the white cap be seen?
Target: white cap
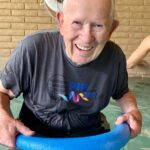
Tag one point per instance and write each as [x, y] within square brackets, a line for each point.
[53, 5]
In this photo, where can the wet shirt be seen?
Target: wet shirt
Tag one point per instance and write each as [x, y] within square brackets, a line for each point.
[59, 93]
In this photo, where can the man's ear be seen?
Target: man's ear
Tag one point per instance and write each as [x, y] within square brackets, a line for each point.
[60, 19]
[114, 26]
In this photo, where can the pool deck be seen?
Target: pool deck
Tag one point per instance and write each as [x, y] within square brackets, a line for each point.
[140, 71]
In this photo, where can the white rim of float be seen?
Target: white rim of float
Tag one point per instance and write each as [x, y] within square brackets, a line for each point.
[53, 5]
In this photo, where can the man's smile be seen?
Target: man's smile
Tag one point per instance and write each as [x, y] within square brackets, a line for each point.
[84, 48]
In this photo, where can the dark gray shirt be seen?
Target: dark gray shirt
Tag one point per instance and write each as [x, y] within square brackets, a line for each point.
[59, 93]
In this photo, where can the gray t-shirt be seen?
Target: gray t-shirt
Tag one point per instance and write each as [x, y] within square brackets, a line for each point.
[58, 92]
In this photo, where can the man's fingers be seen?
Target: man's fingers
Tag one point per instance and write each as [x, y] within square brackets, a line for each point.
[8, 140]
[133, 123]
[21, 128]
[134, 126]
[121, 119]
[9, 143]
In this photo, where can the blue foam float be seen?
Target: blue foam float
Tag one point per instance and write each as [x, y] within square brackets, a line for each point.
[116, 139]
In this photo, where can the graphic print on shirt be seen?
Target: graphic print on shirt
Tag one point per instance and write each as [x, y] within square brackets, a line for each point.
[69, 91]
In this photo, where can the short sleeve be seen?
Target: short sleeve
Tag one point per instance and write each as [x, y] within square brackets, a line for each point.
[17, 73]
[121, 79]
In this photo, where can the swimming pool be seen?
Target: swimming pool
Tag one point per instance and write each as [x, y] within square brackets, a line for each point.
[141, 88]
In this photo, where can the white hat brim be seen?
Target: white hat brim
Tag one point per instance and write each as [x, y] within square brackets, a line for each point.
[54, 5]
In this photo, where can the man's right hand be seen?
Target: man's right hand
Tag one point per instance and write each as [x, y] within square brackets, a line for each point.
[9, 128]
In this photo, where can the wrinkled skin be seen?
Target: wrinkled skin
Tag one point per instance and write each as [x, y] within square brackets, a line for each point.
[86, 28]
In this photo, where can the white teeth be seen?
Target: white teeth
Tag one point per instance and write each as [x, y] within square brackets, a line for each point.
[84, 48]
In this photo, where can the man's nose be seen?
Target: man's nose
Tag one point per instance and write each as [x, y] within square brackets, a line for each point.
[87, 33]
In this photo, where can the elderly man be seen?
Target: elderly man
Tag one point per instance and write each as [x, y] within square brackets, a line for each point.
[68, 76]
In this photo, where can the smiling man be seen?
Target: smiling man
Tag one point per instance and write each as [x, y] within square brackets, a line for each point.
[86, 29]
[67, 77]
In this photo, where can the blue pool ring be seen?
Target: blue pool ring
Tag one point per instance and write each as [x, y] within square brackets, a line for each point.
[116, 139]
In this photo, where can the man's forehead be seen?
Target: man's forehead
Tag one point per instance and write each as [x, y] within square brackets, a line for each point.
[94, 3]
[71, 1]
[87, 5]
[103, 7]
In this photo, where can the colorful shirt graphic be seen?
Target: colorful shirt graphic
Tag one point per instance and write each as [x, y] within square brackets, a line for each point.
[78, 92]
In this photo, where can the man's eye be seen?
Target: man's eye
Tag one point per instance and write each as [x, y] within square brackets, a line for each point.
[97, 27]
[77, 22]
[76, 25]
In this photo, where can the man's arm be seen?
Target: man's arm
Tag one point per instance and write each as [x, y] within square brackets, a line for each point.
[9, 127]
[132, 114]
[137, 56]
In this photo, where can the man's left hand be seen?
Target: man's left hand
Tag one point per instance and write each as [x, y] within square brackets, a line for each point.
[134, 119]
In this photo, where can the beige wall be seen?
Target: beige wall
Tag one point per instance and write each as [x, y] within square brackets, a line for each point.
[21, 17]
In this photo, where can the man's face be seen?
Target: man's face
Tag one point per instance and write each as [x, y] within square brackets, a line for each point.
[86, 26]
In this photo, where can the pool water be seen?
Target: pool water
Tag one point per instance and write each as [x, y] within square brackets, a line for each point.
[141, 89]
